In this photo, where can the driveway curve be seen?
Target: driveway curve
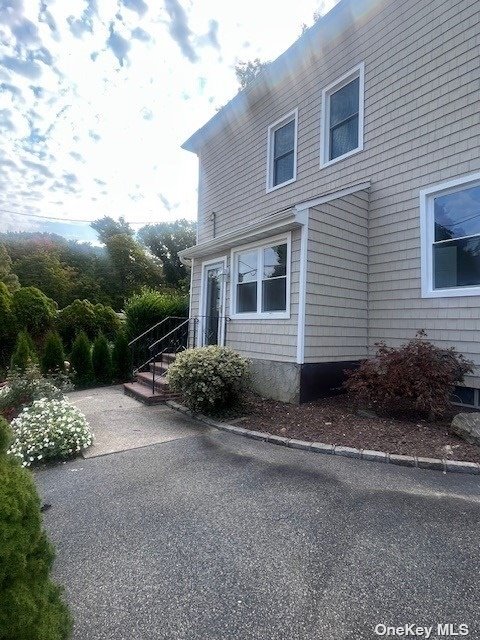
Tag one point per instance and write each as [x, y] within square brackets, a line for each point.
[213, 536]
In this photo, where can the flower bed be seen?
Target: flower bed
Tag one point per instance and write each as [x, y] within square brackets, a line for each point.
[334, 421]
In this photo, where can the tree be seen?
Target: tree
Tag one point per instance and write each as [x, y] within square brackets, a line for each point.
[121, 358]
[8, 329]
[33, 310]
[46, 272]
[31, 605]
[24, 353]
[247, 71]
[107, 227]
[130, 266]
[81, 361]
[53, 358]
[8, 278]
[165, 240]
[102, 360]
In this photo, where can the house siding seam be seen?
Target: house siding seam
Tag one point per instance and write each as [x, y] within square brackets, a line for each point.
[421, 127]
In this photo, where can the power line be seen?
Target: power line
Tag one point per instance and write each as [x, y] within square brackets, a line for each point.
[33, 215]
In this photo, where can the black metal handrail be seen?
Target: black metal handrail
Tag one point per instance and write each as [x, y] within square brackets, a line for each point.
[139, 346]
[155, 326]
[185, 336]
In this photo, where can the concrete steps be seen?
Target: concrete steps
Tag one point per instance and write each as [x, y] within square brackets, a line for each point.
[149, 391]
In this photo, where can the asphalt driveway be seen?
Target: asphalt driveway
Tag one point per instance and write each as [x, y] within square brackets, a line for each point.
[213, 536]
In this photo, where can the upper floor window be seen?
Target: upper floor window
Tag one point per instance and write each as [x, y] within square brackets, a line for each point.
[342, 117]
[282, 151]
[451, 238]
[261, 280]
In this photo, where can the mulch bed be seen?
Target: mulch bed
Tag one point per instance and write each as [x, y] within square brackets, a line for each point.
[335, 421]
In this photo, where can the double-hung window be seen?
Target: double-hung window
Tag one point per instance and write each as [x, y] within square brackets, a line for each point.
[261, 280]
[342, 117]
[282, 152]
[451, 238]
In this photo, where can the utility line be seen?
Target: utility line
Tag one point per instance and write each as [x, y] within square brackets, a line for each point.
[33, 215]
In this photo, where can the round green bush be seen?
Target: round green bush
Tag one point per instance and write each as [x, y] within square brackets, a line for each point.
[145, 309]
[49, 429]
[209, 378]
[76, 317]
[81, 361]
[102, 360]
[107, 321]
[24, 354]
[31, 606]
[121, 358]
[33, 310]
[53, 358]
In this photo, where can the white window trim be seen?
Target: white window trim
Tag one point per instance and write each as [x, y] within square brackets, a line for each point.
[259, 315]
[427, 236]
[357, 72]
[293, 115]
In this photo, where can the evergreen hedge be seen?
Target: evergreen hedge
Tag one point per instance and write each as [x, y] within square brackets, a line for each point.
[24, 354]
[102, 360]
[121, 359]
[53, 359]
[31, 605]
[81, 361]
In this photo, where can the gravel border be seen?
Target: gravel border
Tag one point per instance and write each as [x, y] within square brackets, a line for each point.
[435, 464]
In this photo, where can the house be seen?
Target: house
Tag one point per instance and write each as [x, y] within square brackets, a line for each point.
[339, 197]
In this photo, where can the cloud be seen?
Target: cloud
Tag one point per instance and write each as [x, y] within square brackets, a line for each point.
[25, 32]
[84, 24]
[179, 29]
[147, 114]
[211, 37]
[93, 135]
[77, 156]
[11, 11]
[70, 178]
[39, 168]
[14, 91]
[6, 123]
[27, 68]
[140, 34]
[45, 16]
[119, 46]
[139, 6]
[42, 54]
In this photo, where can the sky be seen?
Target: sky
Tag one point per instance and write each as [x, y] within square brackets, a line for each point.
[97, 96]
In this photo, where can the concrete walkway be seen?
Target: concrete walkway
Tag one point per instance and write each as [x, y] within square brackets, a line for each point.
[120, 423]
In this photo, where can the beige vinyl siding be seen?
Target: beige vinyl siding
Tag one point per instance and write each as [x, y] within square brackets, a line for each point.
[421, 127]
[263, 338]
[336, 282]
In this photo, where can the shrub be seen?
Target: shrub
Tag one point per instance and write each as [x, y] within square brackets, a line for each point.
[33, 310]
[121, 358]
[8, 329]
[417, 376]
[107, 321]
[31, 606]
[23, 387]
[49, 429]
[24, 354]
[102, 360]
[53, 359]
[81, 361]
[82, 315]
[78, 316]
[209, 378]
[145, 309]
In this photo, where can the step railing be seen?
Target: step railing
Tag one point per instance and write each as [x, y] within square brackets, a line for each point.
[139, 346]
[187, 335]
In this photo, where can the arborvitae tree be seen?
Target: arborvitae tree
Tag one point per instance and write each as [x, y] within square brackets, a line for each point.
[24, 353]
[53, 359]
[102, 360]
[31, 606]
[121, 358]
[81, 361]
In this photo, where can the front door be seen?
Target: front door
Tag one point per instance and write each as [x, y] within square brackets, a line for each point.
[214, 283]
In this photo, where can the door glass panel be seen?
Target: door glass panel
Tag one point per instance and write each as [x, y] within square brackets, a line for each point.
[213, 304]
